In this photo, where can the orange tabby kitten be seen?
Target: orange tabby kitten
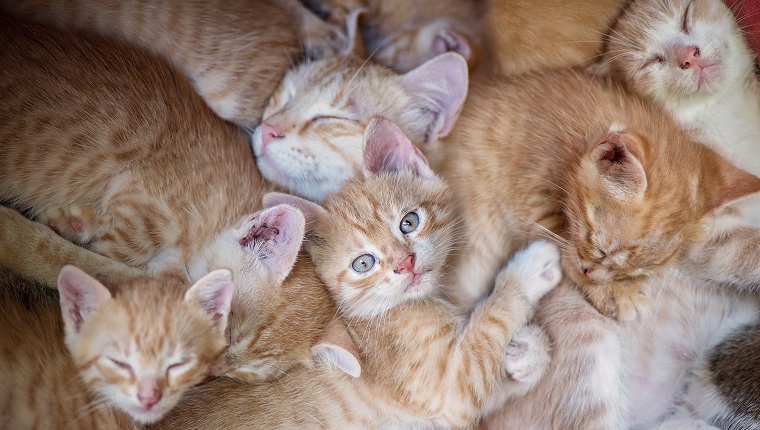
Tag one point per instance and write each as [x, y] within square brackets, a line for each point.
[534, 35]
[404, 34]
[617, 178]
[122, 142]
[423, 365]
[130, 355]
[234, 52]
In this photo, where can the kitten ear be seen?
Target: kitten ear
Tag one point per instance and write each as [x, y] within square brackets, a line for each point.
[80, 296]
[355, 43]
[441, 84]
[451, 41]
[336, 349]
[213, 294]
[729, 183]
[276, 233]
[387, 149]
[618, 160]
[310, 210]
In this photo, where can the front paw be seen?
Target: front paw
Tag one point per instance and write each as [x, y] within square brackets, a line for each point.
[74, 224]
[528, 355]
[624, 301]
[538, 266]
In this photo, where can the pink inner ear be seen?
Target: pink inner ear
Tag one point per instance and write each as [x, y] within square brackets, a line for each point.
[387, 149]
[80, 296]
[451, 41]
[279, 232]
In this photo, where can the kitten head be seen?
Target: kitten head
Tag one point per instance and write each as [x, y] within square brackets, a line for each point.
[678, 50]
[381, 241]
[631, 208]
[310, 138]
[144, 346]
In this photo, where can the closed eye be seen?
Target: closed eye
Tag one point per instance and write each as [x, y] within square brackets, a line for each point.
[319, 118]
[685, 19]
[656, 59]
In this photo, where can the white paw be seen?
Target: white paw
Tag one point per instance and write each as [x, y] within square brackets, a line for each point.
[538, 266]
[528, 355]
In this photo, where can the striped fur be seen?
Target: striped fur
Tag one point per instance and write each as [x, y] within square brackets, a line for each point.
[516, 178]
[233, 52]
[49, 385]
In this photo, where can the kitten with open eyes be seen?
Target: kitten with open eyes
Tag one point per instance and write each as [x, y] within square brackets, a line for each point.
[117, 146]
[402, 35]
[233, 52]
[380, 245]
[310, 138]
[112, 358]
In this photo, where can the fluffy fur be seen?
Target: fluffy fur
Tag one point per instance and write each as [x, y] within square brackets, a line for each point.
[127, 356]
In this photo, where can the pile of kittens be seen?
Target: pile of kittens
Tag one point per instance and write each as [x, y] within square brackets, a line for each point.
[436, 214]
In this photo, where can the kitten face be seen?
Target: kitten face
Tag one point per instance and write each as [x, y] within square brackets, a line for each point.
[384, 249]
[141, 349]
[310, 139]
[678, 49]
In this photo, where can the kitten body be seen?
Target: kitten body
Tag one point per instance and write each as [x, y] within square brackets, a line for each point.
[542, 35]
[625, 187]
[637, 374]
[126, 359]
[119, 146]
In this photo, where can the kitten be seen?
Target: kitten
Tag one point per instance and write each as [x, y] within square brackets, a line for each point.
[233, 52]
[636, 375]
[402, 35]
[690, 58]
[118, 145]
[423, 365]
[543, 35]
[622, 185]
[310, 139]
[123, 357]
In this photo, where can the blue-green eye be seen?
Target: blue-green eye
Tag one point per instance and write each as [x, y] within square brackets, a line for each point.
[363, 263]
[409, 222]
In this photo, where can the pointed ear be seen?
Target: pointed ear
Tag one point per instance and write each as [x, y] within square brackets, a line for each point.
[731, 184]
[354, 41]
[310, 210]
[213, 294]
[276, 233]
[387, 149]
[80, 295]
[451, 41]
[441, 85]
[336, 349]
[618, 158]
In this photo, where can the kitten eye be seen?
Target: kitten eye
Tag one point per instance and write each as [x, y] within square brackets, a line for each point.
[409, 223]
[363, 263]
[121, 365]
[657, 59]
[685, 20]
[175, 367]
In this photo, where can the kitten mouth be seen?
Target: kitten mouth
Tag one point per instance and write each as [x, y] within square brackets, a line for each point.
[417, 278]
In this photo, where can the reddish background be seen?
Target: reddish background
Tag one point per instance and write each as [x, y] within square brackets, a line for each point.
[748, 16]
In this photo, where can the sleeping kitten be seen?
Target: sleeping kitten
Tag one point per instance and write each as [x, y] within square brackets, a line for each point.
[402, 35]
[126, 356]
[625, 188]
[640, 374]
[310, 139]
[380, 244]
[690, 58]
[119, 146]
[542, 35]
[233, 52]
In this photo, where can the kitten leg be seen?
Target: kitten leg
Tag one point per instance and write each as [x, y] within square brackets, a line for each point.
[624, 300]
[528, 355]
[73, 223]
[36, 253]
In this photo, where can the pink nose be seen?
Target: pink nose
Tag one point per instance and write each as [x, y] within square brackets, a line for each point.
[689, 57]
[149, 399]
[268, 134]
[406, 265]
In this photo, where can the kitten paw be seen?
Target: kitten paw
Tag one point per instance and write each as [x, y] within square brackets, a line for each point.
[74, 224]
[624, 301]
[538, 266]
[528, 355]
